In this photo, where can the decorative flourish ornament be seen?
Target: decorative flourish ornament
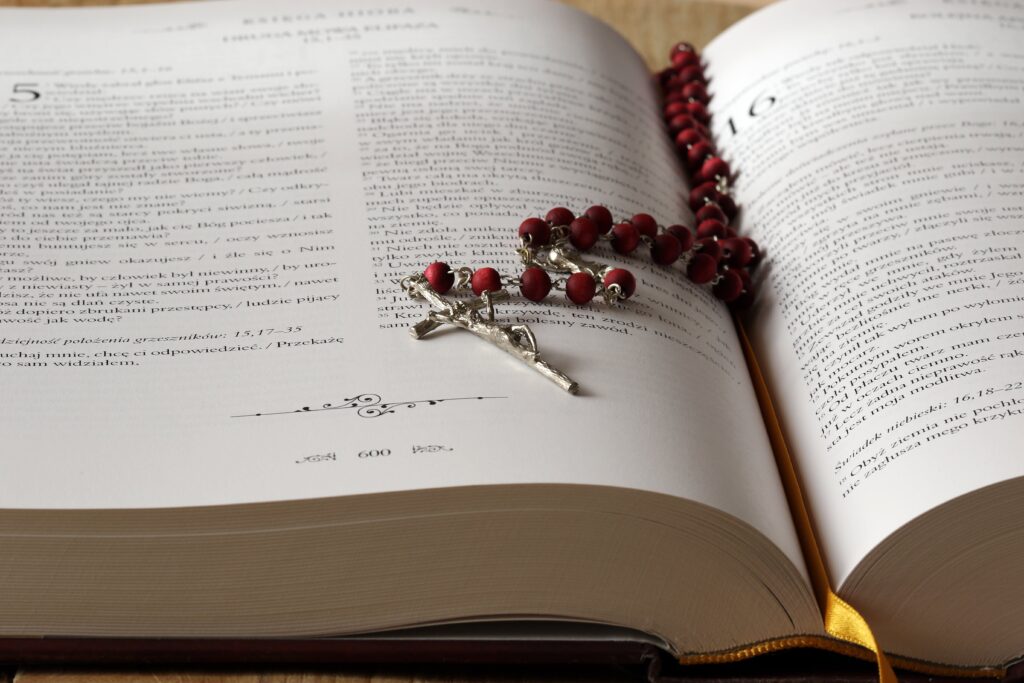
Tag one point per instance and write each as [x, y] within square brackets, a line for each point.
[712, 254]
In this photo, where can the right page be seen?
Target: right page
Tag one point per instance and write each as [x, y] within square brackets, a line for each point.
[880, 157]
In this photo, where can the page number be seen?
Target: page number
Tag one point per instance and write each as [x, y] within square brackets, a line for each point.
[25, 92]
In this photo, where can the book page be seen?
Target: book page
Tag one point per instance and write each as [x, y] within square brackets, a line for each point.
[207, 213]
[880, 151]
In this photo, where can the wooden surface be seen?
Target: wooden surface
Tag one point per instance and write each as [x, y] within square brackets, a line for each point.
[652, 26]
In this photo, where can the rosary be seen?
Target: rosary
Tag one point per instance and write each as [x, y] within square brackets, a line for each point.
[712, 254]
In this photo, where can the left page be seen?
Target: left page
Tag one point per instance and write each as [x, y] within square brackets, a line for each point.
[207, 209]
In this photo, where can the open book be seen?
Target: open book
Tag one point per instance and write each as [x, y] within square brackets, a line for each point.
[215, 423]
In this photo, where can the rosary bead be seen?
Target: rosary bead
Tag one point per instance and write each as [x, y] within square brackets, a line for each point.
[485, 280]
[696, 91]
[559, 216]
[583, 233]
[675, 96]
[625, 238]
[714, 167]
[645, 224]
[535, 283]
[704, 191]
[623, 278]
[728, 205]
[698, 111]
[666, 249]
[697, 153]
[736, 251]
[676, 108]
[711, 228]
[746, 298]
[440, 277]
[538, 231]
[711, 212]
[729, 286]
[688, 137]
[601, 216]
[683, 234]
[701, 268]
[755, 252]
[690, 74]
[684, 59]
[681, 46]
[580, 288]
[710, 247]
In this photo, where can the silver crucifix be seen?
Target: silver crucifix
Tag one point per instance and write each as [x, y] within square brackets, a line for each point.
[516, 340]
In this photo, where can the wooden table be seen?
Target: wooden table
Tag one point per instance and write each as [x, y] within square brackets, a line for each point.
[652, 26]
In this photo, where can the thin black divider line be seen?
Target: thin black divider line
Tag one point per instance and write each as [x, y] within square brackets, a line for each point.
[371, 405]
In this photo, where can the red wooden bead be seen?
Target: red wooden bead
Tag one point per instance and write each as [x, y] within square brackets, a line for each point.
[746, 298]
[711, 228]
[755, 250]
[729, 286]
[711, 212]
[625, 238]
[676, 108]
[485, 280]
[736, 251]
[701, 268]
[645, 224]
[696, 155]
[683, 234]
[665, 75]
[688, 137]
[698, 111]
[583, 233]
[537, 230]
[666, 249]
[674, 96]
[440, 277]
[559, 216]
[623, 278]
[601, 216]
[681, 46]
[535, 283]
[704, 191]
[728, 206]
[729, 232]
[710, 247]
[580, 288]
[682, 59]
[695, 91]
[691, 74]
[714, 167]
[681, 122]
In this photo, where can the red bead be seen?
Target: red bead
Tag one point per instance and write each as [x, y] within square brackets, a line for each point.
[683, 234]
[688, 137]
[674, 96]
[696, 155]
[601, 216]
[440, 277]
[583, 233]
[711, 212]
[710, 247]
[645, 224]
[728, 287]
[714, 167]
[701, 268]
[580, 288]
[681, 46]
[535, 283]
[559, 216]
[485, 280]
[681, 122]
[736, 251]
[681, 59]
[623, 278]
[537, 230]
[665, 75]
[746, 298]
[673, 109]
[704, 191]
[690, 74]
[666, 249]
[695, 91]
[711, 229]
[625, 238]
[729, 232]
[728, 205]
[698, 111]
[755, 252]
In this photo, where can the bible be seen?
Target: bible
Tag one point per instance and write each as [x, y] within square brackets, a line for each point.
[217, 430]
